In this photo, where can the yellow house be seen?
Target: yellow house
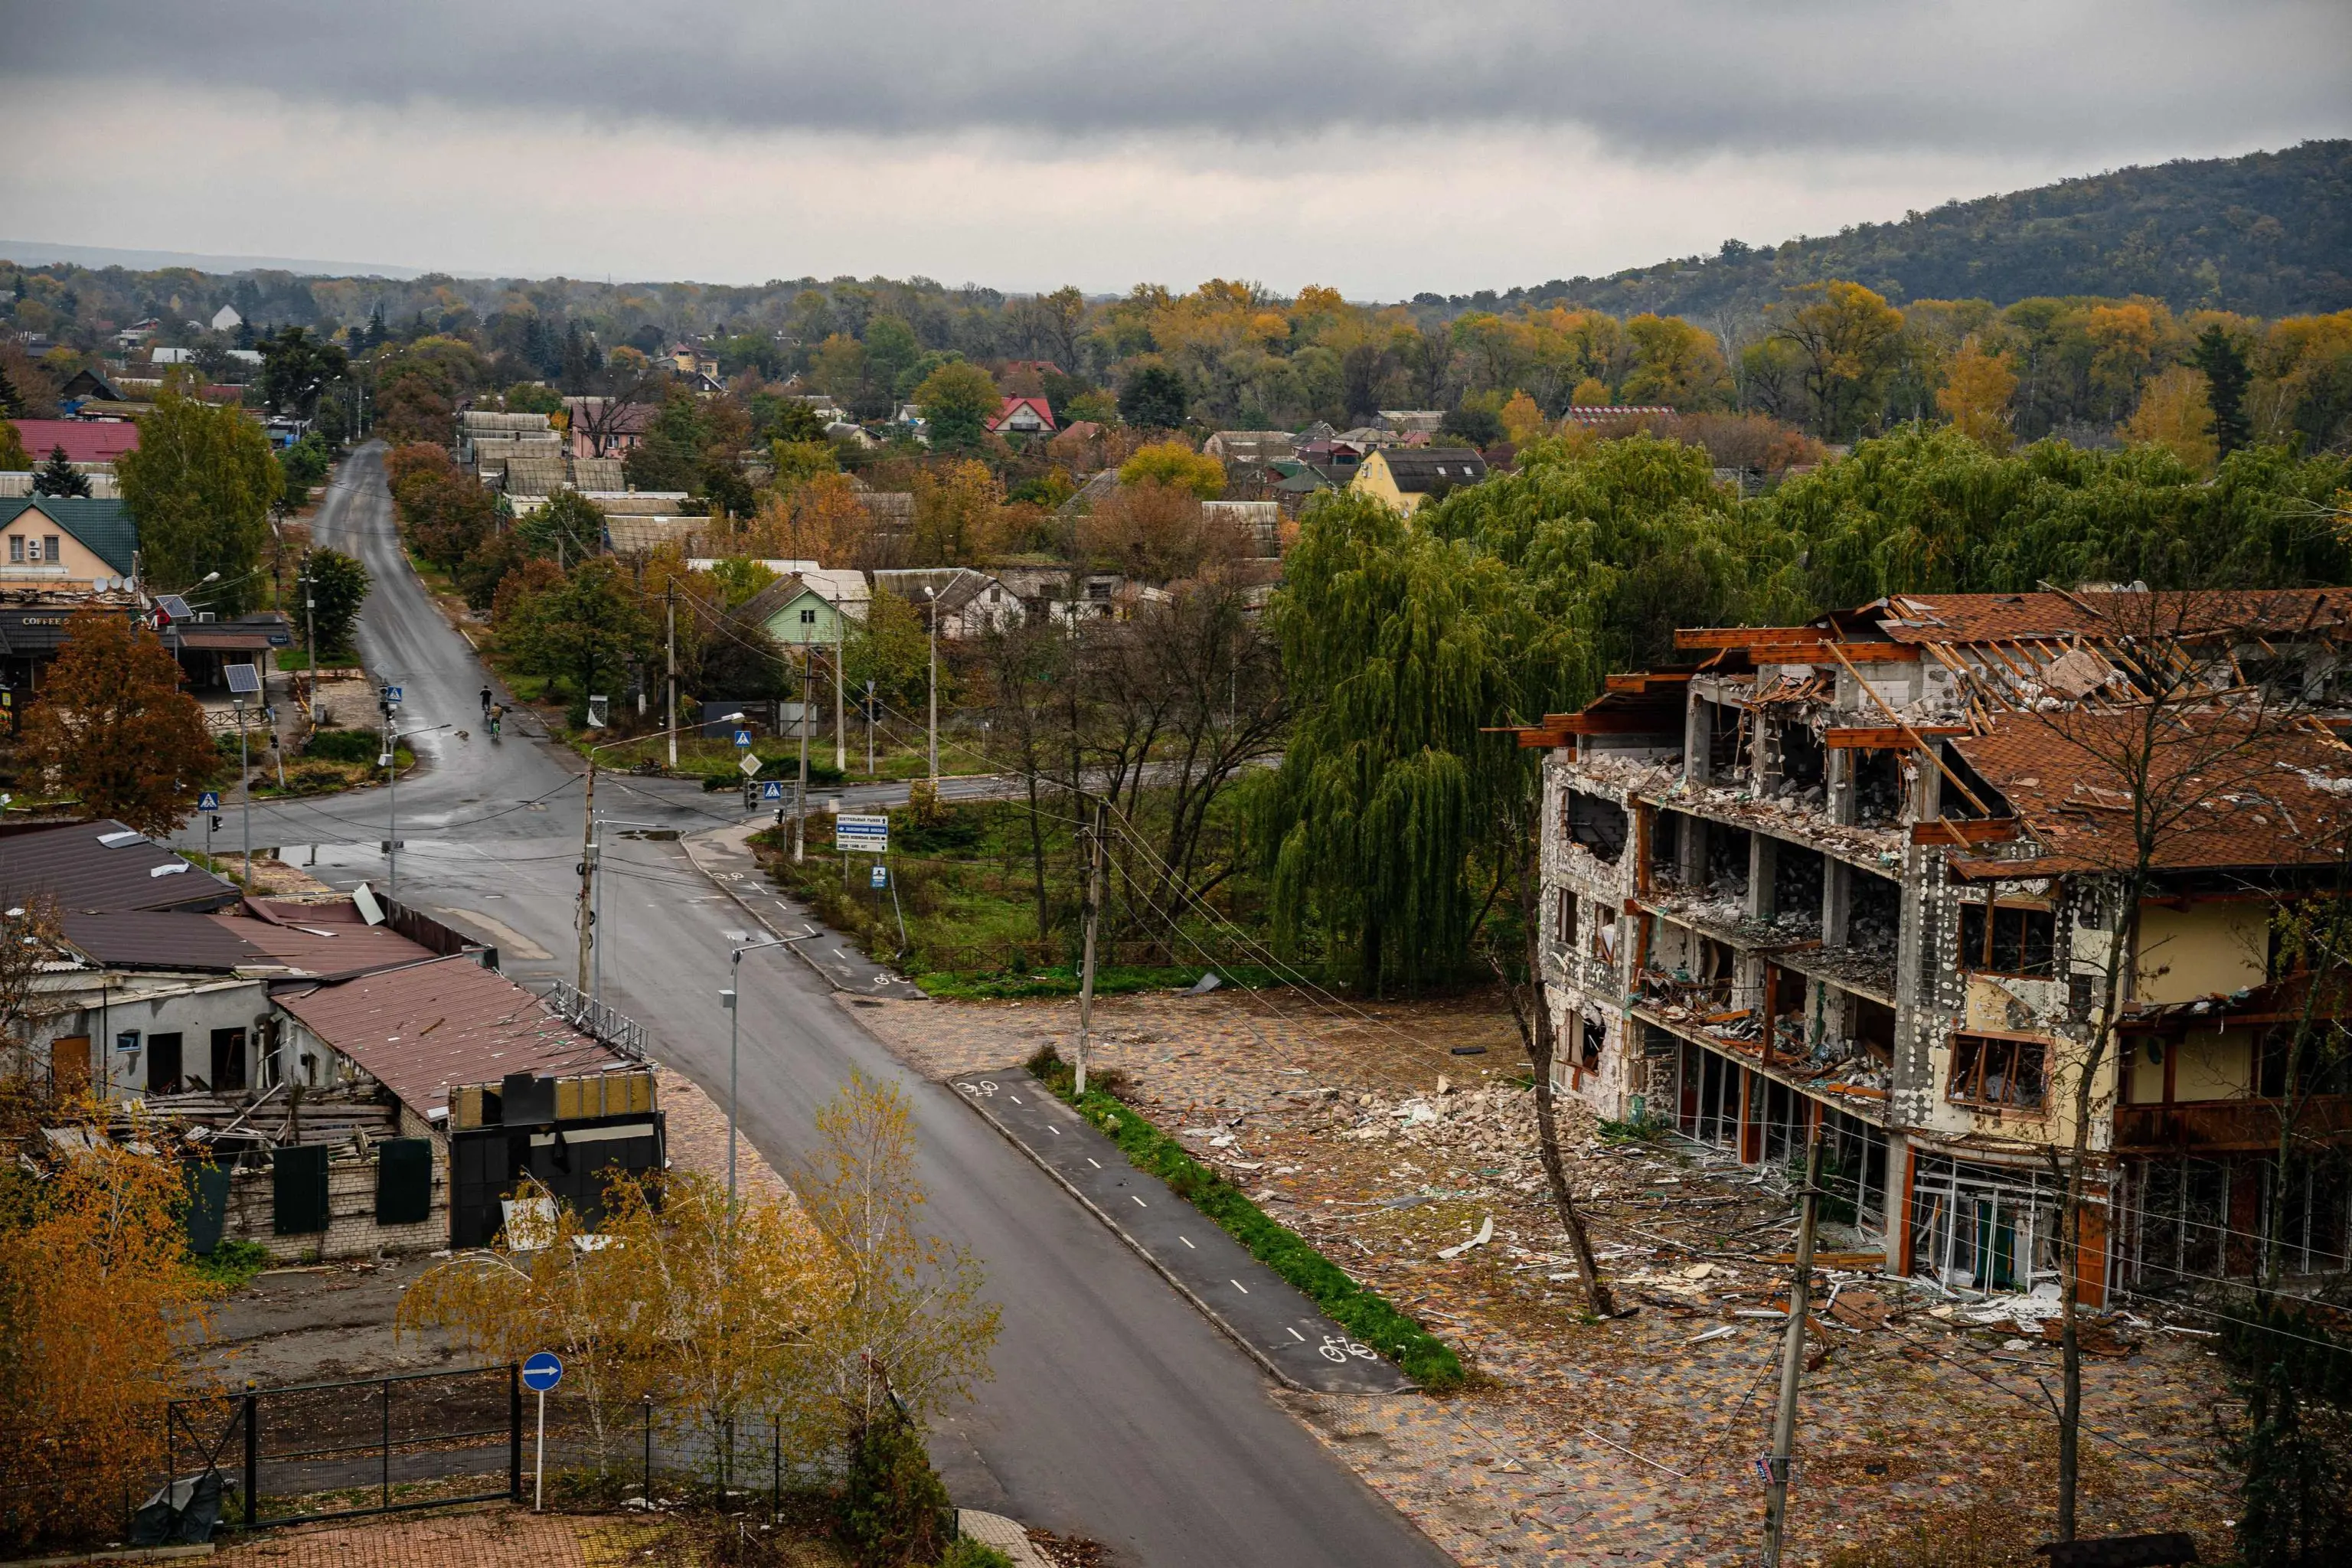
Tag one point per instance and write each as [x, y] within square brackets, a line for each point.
[64, 542]
[1404, 477]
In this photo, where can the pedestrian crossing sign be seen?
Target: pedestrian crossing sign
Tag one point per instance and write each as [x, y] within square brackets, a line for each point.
[773, 790]
[742, 737]
[208, 801]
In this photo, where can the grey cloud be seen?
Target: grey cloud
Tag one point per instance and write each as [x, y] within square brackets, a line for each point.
[1667, 79]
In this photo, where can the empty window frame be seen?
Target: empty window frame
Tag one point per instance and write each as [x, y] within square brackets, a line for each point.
[1989, 1070]
[2008, 939]
[1564, 920]
[228, 1058]
[1709, 1100]
[164, 1064]
[1596, 1035]
[1982, 1228]
[1597, 824]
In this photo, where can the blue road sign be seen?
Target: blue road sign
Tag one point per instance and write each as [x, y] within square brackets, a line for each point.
[542, 1371]
[773, 790]
[742, 737]
[879, 876]
[208, 801]
[392, 694]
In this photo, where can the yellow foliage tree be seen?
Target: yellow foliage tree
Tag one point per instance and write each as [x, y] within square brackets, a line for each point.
[95, 1296]
[1176, 465]
[956, 515]
[2175, 414]
[1522, 421]
[1976, 393]
[1675, 362]
[1590, 393]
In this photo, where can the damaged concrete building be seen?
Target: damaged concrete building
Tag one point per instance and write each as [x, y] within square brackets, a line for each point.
[1863, 873]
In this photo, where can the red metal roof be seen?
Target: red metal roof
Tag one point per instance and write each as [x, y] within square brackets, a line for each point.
[422, 1029]
[1012, 405]
[85, 440]
[321, 947]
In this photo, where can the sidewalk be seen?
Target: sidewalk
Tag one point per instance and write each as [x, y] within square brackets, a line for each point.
[724, 855]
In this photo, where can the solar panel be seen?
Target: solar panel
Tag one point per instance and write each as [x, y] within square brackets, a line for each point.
[174, 607]
[244, 680]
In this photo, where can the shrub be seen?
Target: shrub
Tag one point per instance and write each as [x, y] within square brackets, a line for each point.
[231, 1264]
[963, 1551]
[892, 1503]
[362, 746]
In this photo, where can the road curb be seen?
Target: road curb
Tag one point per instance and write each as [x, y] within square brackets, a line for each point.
[1119, 1230]
[744, 904]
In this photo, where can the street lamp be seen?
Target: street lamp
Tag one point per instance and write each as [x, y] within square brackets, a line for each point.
[586, 917]
[932, 595]
[730, 999]
[390, 762]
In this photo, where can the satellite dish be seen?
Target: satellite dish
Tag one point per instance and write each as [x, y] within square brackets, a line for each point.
[98, 585]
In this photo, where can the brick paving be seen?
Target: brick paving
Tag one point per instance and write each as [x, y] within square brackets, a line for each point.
[505, 1538]
[697, 1127]
[1637, 1439]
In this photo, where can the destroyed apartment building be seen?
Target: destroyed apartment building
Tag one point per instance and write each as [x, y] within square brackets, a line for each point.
[1865, 873]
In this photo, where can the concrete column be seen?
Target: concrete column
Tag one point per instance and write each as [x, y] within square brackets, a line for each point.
[1837, 779]
[1763, 858]
[1697, 714]
[1837, 900]
[1690, 846]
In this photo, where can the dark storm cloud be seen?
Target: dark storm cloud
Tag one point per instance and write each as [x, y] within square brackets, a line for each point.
[1663, 78]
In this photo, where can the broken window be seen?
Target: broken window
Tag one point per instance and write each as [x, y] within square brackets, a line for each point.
[1565, 922]
[2008, 939]
[1877, 788]
[1666, 846]
[1710, 1098]
[1797, 874]
[1727, 863]
[1993, 1071]
[228, 1058]
[1726, 739]
[1874, 911]
[1596, 1033]
[1873, 1026]
[1801, 756]
[1599, 825]
[1982, 1227]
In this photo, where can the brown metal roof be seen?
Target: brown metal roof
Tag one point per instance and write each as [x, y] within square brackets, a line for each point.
[322, 947]
[148, 939]
[420, 1029]
[2104, 613]
[72, 866]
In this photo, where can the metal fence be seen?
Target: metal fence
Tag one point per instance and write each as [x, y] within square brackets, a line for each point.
[607, 1023]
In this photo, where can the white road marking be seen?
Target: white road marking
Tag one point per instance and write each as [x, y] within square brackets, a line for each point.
[1094, 1162]
[1139, 1202]
[1299, 1337]
[1017, 1099]
[1238, 1285]
[1053, 1129]
[1187, 1241]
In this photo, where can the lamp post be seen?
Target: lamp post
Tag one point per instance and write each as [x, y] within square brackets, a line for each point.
[931, 595]
[585, 918]
[731, 999]
[391, 763]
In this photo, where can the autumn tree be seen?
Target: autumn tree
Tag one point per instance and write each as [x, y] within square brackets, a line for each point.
[1675, 364]
[956, 514]
[1976, 393]
[114, 727]
[889, 648]
[95, 1299]
[820, 519]
[957, 400]
[587, 627]
[1523, 420]
[14, 459]
[1847, 339]
[2174, 414]
[200, 484]
[1177, 466]
[444, 513]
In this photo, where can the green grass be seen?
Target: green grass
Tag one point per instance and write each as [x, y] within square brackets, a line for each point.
[1364, 1313]
[230, 1266]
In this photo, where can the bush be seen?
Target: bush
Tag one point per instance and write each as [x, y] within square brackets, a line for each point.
[1423, 1357]
[893, 1504]
[231, 1264]
[362, 746]
[965, 1552]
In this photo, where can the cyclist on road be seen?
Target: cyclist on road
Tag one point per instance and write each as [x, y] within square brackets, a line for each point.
[486, 701]
[492, 716]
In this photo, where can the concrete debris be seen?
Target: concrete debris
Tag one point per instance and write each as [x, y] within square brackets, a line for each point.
[1485, 1233]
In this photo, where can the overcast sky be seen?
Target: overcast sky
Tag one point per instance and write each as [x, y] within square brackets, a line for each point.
[1382, 148]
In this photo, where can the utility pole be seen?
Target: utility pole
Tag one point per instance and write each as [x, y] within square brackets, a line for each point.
[245, 793]
[391, 802]
[1793, 1361]
[840, 736]
[310, 633]
[934, 598]
[1094, 919]
[669, 612]
[870, 728]
[800, 792]
[586, 917]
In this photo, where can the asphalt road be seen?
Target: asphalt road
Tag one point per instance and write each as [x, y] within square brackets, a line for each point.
[1116, 1410]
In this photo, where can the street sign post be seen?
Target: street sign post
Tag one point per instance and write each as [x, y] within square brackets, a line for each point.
[742, 737]
[773, 790]
[879, 876]
[207, 803]
[392, 694]
[866, 834]
[542, 1371]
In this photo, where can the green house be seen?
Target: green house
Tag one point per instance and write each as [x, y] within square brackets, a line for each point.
[809, 606]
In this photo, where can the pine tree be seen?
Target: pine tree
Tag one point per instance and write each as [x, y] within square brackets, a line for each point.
[59, 476]
[2224, 363]
[12, 402]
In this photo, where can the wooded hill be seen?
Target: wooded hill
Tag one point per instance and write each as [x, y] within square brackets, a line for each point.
[2269, 234]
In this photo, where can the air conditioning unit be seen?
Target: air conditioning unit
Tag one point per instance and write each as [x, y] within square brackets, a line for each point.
[202, 617]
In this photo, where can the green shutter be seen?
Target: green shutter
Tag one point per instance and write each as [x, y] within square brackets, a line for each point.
[208, 1206]
[404, 1180]
[299, 1188]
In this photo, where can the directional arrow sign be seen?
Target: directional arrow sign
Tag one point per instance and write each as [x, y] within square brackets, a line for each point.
[868, 835]
[542, 1371]
[208, 801]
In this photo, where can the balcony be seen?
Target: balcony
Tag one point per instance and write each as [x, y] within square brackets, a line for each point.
[2220, 1125]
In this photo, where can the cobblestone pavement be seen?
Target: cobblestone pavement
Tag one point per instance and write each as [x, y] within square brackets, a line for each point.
[697, 1125]
[503, 1538]
[1387, 1134]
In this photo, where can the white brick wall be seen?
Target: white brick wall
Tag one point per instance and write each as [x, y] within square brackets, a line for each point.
[352, 1230]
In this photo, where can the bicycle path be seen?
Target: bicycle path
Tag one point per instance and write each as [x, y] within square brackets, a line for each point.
[1278, 1325]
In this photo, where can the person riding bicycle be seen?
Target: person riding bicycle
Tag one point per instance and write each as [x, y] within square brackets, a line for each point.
[486, 701]
[493, 715]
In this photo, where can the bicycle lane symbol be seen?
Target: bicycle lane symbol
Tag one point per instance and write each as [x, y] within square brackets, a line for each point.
[1339, 1348]
[982, 1089]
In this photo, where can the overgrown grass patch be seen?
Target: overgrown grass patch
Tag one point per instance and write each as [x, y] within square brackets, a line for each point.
[231, 1264]
[1364, 1313]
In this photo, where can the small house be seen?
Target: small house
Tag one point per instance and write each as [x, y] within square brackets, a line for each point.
[1023, 416]
[1406, 478]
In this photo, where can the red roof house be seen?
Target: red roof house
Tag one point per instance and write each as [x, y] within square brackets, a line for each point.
[1023, 416]
[85, 440]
